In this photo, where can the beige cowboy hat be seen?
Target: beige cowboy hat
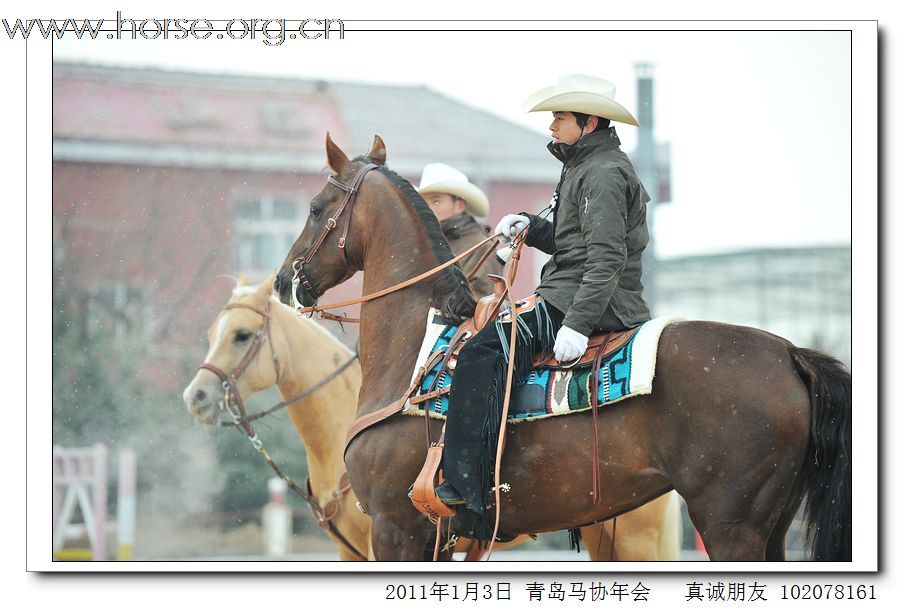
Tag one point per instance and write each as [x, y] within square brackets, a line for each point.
[580, 93]
[440, 178]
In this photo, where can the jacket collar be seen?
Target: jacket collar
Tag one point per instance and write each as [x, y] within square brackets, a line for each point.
[453, 226]
[599, 140]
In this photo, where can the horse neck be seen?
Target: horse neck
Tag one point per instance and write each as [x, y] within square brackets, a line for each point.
[308, 355]
[392, 327]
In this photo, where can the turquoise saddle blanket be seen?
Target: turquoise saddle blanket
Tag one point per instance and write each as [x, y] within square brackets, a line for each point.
[626, 372]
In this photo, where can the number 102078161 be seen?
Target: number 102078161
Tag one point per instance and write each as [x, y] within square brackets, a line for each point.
[828, 591]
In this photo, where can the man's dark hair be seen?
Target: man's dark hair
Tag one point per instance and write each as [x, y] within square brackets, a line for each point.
[581, 119]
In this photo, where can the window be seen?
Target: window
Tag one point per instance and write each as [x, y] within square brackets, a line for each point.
[119, 310]
[265, 228]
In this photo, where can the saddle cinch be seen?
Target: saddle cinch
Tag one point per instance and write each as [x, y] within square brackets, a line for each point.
[488, 308]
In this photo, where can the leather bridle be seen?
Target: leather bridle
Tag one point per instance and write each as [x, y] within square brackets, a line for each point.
[232, 400]
[351, 196]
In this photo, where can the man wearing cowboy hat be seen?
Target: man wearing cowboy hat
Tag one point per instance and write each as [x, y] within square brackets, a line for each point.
[456, 201]
[596, 236]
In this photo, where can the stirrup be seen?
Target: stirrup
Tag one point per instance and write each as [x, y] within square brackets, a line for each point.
[423, 492]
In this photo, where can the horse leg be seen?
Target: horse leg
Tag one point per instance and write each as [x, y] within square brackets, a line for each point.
[634, 540]
[393, 542]
[597, 540]
[726, 531]
[638, 534]
[737, 494]
[775, 545]
[669, 544]
[736, 527]
[347, 555]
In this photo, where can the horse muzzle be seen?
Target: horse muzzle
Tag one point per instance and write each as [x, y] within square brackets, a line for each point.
[203, 402]
[288, 290]
[302, 293]
[203, 397]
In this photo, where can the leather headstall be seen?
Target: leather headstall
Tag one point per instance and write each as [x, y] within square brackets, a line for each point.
[351, 196]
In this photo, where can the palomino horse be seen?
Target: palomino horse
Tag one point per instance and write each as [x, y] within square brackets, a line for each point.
[743, 424]
[295, 358]
[307, 355]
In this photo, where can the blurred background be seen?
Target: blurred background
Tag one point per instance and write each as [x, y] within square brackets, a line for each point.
[178, 165]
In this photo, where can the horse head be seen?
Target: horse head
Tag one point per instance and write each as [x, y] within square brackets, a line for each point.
[242, 357]
[324, 255]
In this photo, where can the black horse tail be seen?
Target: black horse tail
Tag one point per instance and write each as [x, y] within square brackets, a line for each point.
[825, 477]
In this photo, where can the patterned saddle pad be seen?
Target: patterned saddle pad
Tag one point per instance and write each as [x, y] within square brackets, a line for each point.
[625, 372]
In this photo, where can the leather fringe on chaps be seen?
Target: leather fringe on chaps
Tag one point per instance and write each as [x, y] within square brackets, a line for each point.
[574, 539]
[535, 337]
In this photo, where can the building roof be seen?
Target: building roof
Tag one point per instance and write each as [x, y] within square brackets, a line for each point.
[153, 116]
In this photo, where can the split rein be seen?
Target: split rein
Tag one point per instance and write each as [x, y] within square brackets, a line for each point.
[309, 310]
[233, 404]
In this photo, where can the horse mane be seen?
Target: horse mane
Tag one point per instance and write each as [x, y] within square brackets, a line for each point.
[451, 292]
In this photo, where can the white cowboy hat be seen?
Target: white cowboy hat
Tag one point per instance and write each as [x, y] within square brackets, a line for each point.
[580, 93]
[440, 178]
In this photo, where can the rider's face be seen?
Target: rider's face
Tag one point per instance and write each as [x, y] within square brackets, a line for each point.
[564, 127]
[444, 205]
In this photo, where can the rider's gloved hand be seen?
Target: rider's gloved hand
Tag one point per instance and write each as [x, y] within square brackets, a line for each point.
[510, 225]
[569, 344]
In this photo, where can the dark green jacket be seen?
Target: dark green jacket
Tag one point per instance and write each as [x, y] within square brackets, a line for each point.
[597, 236]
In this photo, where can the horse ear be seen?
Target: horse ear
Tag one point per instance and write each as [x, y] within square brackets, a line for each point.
[266, 288]
[243, 280]
[378, 151]
[335, 158]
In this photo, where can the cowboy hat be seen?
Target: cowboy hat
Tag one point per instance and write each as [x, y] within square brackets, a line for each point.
[440, 178]
[580, 93]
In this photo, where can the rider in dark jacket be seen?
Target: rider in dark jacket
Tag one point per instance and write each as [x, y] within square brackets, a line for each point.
[596, 238]
[592, 282]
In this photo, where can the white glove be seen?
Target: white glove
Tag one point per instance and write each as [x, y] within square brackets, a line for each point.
[569, 344]
[510, 225]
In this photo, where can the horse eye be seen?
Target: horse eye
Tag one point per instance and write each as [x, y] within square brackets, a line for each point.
[242, 335]
[315, 211]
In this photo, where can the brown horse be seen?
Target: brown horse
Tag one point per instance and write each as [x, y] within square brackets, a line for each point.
[741, 423]
[307, 356]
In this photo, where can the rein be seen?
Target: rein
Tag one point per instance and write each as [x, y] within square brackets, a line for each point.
[257, 415]
[233, 404]
[301, 309]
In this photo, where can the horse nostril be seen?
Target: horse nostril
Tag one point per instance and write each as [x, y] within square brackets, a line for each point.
[276, 284]
[200, 395]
